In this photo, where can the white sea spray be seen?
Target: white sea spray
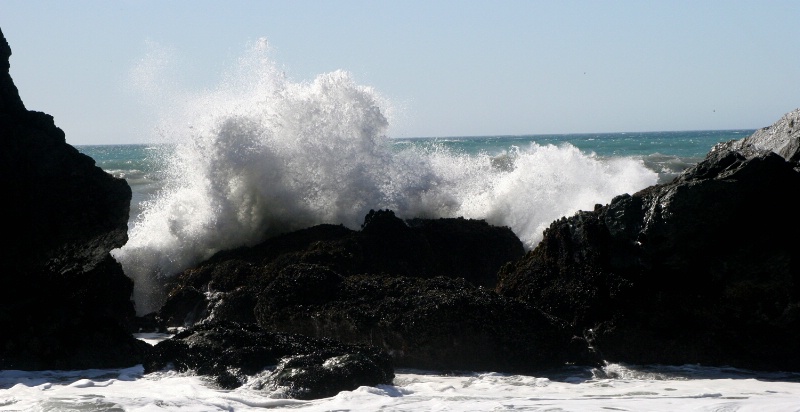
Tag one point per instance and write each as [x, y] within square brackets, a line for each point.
[261, 154]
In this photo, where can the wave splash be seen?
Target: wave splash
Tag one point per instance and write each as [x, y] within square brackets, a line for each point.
[261, 155]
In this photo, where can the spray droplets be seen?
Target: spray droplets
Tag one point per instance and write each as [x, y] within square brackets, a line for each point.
[264, 155]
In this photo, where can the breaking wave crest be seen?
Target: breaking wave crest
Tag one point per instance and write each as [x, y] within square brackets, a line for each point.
[261, 155]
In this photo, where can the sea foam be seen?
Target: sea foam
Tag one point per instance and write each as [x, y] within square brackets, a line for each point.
[261, 155]
[708, 389]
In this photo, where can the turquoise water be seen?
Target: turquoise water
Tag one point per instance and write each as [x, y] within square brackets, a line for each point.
[141, 165]
[684, 144]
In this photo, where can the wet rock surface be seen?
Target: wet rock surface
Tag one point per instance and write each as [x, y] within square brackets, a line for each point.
[411, 288]
[703, 269]
[436, 324]
[290, 365]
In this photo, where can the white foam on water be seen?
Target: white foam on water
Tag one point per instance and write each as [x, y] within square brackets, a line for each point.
[132, 390]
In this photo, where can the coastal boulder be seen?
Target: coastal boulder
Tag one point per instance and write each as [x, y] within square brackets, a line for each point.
[419, 248]
[64, 301]
[293, 365]
[436, 324]
[703, 269]
[415, 288]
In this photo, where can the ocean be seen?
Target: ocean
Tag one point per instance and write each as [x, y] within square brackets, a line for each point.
[574, 171]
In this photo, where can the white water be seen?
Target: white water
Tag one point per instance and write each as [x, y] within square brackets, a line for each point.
[412, 391]
[614, 388]
[261, 155]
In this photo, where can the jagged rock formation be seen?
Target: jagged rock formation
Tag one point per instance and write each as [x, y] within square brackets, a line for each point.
[703, 269]
[436, 324]
[411, 288]
[469, 249]
[64, 301]
[783, 138]
[294, 365]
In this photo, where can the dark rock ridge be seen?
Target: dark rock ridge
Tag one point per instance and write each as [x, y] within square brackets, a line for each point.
[412, 288]
[437, 324]
[783, 138]
[469, 249]
[703, 269]
[293, 365]
[64, 301]
[424, 248]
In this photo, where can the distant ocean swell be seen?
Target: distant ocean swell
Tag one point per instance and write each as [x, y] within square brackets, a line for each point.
[261, 155]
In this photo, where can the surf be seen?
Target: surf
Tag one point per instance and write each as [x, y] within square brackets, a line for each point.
[261, 154]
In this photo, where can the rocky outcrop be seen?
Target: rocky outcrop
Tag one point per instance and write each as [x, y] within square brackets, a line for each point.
[435, 324]
[64, 301]
[468, 249]
[9, 96]
[703, 269]
[293, 365]
[782, 138]
[412, 288]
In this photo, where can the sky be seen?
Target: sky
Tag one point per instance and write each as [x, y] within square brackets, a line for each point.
[449, 68]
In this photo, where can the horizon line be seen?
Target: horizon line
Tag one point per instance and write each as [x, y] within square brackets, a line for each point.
[480, 136]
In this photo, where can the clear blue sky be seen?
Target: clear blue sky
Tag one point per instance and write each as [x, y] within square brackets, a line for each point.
[455, 67]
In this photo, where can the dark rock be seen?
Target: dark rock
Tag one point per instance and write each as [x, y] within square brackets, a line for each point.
[426, 248]
[295, 365]
[185, 306]
[64, 301]
[411, 288]
[10, 101]
[324, 374]
[703, 269]
[469, 249]
[438, 324]
[148, 323]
